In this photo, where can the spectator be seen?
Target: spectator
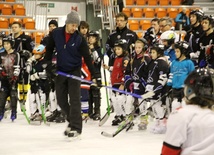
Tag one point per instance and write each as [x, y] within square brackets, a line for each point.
[182, 19]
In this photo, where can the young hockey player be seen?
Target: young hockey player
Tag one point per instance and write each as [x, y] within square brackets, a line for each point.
[117, 79]
[194, 33]
[179, 70]
[136, 76]
[190, 128]
[2, 35]
[205, 41]
[94, 92]
[9, 72]
[158, 70]
[168, 40]
[38, 82]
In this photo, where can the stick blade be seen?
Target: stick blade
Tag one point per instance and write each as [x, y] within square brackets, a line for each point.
[107, 134]
[148, 95]
[104, 119]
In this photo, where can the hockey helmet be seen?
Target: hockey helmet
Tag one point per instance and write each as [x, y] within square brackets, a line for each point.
[168, 36]
[150, 36]
[145, 43]
[198, 13]
[210, 19]
[121, 43]
[200, 84]
[183, 46]
[94, 33]
[2, 35]
[159, 48]
[39, 49]
[9, 39]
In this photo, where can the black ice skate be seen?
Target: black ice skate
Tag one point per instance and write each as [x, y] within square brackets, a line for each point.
[117, 120]
[60, 118]
[53, 116]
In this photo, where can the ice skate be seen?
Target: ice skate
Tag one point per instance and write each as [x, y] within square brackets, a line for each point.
[60, 118]
[1, 115]
[143, 123]
[117, 120]
[53, 116]
[67, 130]
[13, 115]
[160, 128]
[96, 116]
[73, 135]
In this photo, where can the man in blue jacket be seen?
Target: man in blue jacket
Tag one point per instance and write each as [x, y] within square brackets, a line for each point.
[71, 47]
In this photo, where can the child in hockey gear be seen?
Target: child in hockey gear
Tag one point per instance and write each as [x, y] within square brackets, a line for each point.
[136, 75]
[157, 78]
[190, 128]
[194, 33]
[168, 40]
[9, 72]
[207, 39]
[2, 35]
[38, 82]
[179, 70]
[94, 92]
[117, 79]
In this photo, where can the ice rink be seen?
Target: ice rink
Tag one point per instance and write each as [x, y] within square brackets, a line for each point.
[20, 138]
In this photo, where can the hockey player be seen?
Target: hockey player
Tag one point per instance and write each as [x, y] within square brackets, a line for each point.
[38, 82]
[9, 72]
[136, 76]
[205, 41]
[94, 92]
[190, 128]
[2, 35]
[168, 40]
[179, 70]
[194, 33]
[157, 78]
[24, 45]
[117, 79]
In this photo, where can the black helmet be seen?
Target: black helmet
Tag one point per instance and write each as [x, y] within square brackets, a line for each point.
[183, 46]
[159, 48]
[2, 34]
[94, 33]
[122, 43]
[145, 43]
[9, 39]
[210, 19]
[200, 84]
[150, 36]
[199, 14]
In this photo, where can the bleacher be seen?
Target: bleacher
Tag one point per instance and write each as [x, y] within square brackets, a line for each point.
[140, 12]
[11, 11]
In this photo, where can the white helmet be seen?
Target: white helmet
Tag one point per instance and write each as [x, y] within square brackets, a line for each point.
[168, 35]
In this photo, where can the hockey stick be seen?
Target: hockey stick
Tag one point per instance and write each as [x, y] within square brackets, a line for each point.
[126, 122]
[107, 114]
[91, 82]
[132, 124]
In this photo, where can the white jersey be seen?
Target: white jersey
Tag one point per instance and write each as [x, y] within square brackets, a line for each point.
[191, 129]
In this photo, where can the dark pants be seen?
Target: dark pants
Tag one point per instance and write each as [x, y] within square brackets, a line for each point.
[71, 108]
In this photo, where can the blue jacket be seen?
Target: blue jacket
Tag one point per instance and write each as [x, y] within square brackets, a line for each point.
[69, 55]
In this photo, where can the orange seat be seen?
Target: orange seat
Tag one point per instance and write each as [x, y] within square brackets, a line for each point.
[6, 9]
[140, 34]
[19, 9]
[29, 23]
[160, 12]
[152, 2]
[127, 11]
[137, 12]
[10, 0]
[175, 2]
[141, 2]
[145, 24]
[172, 12]
[38, 36]
[14, 19]
[164, 2]
[149, 12]
[130, 2]
[4, 23]
[133, 24]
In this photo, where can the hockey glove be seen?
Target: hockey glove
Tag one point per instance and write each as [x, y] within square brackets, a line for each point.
[34, 77]
[16, 71]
